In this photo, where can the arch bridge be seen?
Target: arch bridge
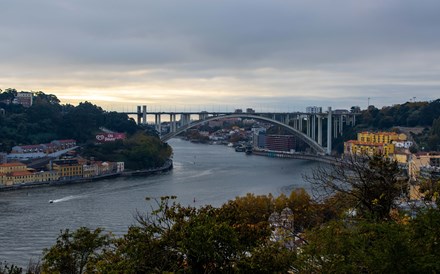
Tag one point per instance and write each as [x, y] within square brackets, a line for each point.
[309, 141]
[307, 126]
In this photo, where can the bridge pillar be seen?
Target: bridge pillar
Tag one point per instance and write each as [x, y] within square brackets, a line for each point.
[320, 130]
[287, 120]
[341, 124]
[158, 123]
[300, 121]
[171, 123]
[139, 115]
[329, 131]
[335, 127]
[185, 119]
[144, 115]
[182, 119]
[313, 127]
[308, 125]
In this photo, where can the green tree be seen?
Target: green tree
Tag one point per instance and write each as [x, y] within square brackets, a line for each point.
[75, 252]
[373, 183]
[358, 247]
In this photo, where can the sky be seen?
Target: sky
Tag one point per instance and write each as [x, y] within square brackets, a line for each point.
[277, 55]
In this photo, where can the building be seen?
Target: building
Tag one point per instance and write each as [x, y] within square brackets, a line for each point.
[430, 160]
[67, 168]
[371, 143]
[12, 167]
[24, 98]
[55, 147]
[64, 144]
[403, 144]
[259, 138]
[280, 142]
[314, 109]
[354, 147]
[380, 137]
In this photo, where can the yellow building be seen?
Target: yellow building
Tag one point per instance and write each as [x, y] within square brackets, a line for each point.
[12, 167]
[354, 147]
[371, 143]
[68, 169]
[18, 177]
[380, 137]
[422, 159]
[25, 176]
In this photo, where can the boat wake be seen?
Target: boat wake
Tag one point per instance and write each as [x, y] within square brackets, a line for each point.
[67, 198]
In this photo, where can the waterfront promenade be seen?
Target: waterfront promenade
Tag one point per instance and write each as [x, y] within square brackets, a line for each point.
[168, 165]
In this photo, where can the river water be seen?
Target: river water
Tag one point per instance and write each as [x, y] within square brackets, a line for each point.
[202, 174]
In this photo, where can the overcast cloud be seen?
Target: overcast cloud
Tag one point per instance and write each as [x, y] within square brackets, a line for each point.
[223, 54]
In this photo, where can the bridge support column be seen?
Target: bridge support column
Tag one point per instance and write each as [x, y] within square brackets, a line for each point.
[335, 127]
[313, 127]
[139, 115]
[144, 115]
[300, 121]
[172, 122]
[329, 131]
[308, 125]
[320, 130]
[186, 119]
[287, 119]
[341, 124]
[158, 123]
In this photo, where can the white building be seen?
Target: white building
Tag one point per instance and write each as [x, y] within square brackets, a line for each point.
[402, 144]
[314, 109]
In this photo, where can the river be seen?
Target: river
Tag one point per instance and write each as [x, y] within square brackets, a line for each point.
[202, 174]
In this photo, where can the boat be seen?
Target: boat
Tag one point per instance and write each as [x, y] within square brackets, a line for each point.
[240, 149]
[50, 201]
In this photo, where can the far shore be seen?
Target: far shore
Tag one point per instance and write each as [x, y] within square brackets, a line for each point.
[168, 165]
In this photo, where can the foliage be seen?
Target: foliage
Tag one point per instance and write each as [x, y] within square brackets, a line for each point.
[431, 190]
[139, 151]
[237, 238]
[75, 252]
[368, 247]
[176, 238]
[12, 269]
[47, 120]
[361, 247]
[373, 183]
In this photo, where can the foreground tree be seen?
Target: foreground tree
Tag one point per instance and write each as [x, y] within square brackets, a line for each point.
[75, 252]
[370, 183]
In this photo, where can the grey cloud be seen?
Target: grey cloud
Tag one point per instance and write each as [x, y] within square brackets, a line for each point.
[380, 43]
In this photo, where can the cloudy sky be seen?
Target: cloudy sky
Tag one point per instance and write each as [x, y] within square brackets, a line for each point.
[223, 54]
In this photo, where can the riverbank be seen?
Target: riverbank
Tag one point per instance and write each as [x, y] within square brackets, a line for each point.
[168, 165]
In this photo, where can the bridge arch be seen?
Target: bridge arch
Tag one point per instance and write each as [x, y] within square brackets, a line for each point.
[309, 141]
